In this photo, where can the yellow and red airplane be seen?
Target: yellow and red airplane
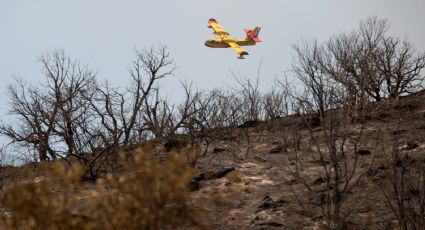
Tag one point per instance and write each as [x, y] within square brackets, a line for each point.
[225, 41]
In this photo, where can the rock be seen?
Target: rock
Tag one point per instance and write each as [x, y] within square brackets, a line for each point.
[411, 146]
[257, 158]
[270, 203]
[320, 180]
[261, 216]
[199, 177]
[209, 175]
[265, 220]
[249, 124]
[224, 172]
[273, 222]
[218, 150]
[363, 152]
[276, 149]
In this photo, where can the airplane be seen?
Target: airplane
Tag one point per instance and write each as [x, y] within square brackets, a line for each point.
[225, 41]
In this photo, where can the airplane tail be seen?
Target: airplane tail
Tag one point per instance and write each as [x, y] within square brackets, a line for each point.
[253, 34]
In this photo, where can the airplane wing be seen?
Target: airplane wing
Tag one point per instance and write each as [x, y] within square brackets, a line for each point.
[238, 49]
[212, 23]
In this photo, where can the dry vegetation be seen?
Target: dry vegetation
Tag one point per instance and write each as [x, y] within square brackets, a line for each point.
[342, 151]
[147, 195]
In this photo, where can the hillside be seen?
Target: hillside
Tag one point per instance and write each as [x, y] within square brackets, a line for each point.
[262, 192]
[259, 175]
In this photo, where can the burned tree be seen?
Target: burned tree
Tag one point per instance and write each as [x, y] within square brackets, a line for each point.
[368, 62]
[150, 66]
[50, 114]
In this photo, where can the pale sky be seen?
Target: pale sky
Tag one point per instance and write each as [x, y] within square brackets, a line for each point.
[104, 33]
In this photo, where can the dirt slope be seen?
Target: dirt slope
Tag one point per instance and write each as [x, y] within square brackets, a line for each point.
[260, 191]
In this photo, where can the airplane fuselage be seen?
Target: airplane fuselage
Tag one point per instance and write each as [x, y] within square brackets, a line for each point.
[223, 42]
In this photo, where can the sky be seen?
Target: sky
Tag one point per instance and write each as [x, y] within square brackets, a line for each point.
[105, 33]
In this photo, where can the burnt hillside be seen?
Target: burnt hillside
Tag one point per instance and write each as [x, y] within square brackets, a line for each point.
[283, 183]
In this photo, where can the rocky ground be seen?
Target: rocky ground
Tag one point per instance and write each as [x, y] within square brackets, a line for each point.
[250, 182]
